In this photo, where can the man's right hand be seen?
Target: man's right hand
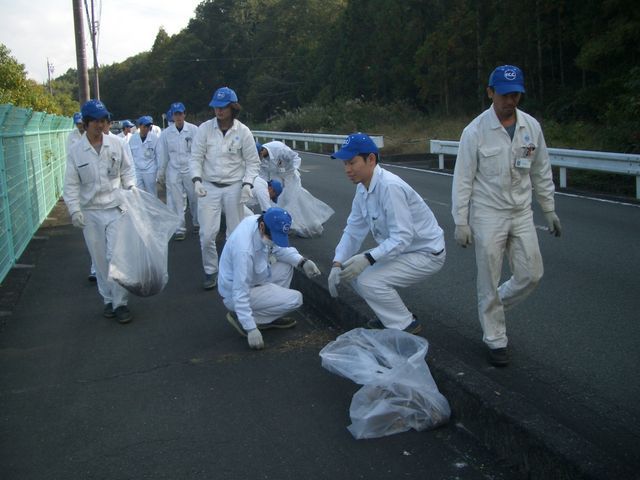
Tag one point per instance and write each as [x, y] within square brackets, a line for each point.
[334, 280]
[199, 189]
[254, 338]
[78, 220]
[463, 235]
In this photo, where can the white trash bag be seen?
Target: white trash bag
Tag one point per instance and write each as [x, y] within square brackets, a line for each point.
[139, 257]
[399, 392]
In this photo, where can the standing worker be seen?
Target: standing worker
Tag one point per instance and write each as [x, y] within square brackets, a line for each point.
[502, 155]
[97, 166]
[144, 149]
[256, 268]
[76, 133]
[410, 241]
[126, 133]
[224, 163]
[175, 156]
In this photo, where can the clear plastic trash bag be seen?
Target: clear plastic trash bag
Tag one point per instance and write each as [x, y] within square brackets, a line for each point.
[139, 256]
[399, 392]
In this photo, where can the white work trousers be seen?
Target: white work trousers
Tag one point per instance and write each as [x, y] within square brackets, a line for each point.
[179, 184]
[495, 233]
[99, 235]
[210, 209]
[147, 181]
[272, 300]
[376, 284]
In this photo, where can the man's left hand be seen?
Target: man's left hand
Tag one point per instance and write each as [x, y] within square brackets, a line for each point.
[310, 269]
[553, 222]
[354, 267]
[246, 193]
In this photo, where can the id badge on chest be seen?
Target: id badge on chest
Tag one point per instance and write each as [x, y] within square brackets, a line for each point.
[523, 163]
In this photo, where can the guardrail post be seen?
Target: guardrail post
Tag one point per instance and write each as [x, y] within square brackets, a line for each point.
[638, 187]
[335, 147]
[294, 144]
[563, 177]
[441, 161]
[306, 146]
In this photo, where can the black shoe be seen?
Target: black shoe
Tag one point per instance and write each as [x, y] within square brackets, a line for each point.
[284, 322]
[108, 311]
[92, 277]
[178, 236]
[414, 327]
[210, 281]
[232, 318]
[374, 324]
[499, 357]
[196, 229]
[123, 314]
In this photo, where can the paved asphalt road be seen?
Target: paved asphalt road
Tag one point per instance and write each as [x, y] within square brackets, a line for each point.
[177, 394]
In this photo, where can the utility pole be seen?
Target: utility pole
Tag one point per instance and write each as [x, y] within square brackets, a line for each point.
[49, 72]
[93, 26]
[81, 55]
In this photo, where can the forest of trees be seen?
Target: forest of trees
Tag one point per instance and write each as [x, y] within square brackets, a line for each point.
[580, 58]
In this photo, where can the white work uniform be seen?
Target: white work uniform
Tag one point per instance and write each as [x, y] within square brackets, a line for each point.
[224, 163]
[410, 244]
[254, 279]
[281, 164]
[90, 183]
[175, 157]
[125, 137]
[73, 138]
[261, 198]
[145, 160]
[492, 184]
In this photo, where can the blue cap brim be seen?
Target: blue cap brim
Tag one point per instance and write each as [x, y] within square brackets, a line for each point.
[506, 88]
[280, 239]
[344, 155]
[219, 104]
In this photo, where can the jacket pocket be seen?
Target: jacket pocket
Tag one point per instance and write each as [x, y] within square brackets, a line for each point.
[489, 161]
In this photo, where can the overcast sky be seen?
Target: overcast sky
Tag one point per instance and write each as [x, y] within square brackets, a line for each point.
[35, 30]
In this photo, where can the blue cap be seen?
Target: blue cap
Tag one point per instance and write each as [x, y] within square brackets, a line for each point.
[507, 79]
[223, 97]
[258, 147]
[145, 120]
[77, 118]
[355, 144]
[278, 221]
[169, 115]
[276, 185]
[177, 107]
[95, 109]
[127, 123]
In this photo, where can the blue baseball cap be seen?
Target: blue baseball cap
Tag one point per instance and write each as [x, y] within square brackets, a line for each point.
[94, 109]
[355, 144]
[223, 97]
[177, 107]
[258, 147]
[77, 118]
[276, 185]
[278, 221]
[128, 124]
[507, 79]
[145, 120]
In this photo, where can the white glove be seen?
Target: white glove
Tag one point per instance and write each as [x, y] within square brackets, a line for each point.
[334, 280]
[463, 235]
[553, 222]
[246, 194]
[199, 189]
[132, 188]
[78, 220]
[354, 267]
[254, 337]
[310, 269]
[161, 177]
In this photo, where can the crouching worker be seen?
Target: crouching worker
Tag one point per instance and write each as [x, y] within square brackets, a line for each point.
[256, 269]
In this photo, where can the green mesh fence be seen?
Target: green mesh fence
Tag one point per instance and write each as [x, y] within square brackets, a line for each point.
[32, 164]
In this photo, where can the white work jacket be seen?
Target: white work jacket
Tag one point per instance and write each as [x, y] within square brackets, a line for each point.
[487, 172]
[125, 137]
[280, 162]
[245, 263]
[91, 178]
[145, 154]
[397, 217]
[175, 147]
[73, 138]
[225, 159]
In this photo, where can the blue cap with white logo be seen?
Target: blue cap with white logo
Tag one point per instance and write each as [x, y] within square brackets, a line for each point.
[177, 107]
[223, 97]
[145, 120]
[94, 109]
[276, 185]
[355, 144]
[507, 79]
[278, 221]
[77, 118]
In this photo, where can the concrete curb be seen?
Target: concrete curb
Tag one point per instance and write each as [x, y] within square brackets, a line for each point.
[503, 421]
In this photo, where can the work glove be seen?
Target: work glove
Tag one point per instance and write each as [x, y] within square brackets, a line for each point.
[254, 338]
[246, 193]
[310, 269]
[334, 280]
[463, 235]
[354, 267]
[553, 222]
[132, 188]
[199, 189]
[78, 220]
[161, 177]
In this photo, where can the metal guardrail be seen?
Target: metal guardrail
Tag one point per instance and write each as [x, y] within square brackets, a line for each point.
[32, 164]
[306, 138]
[620, 163]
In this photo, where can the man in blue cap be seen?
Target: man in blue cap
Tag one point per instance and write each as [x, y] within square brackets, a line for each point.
[97, 166]
[126, 133]
[410, 241]
[224, 164]
[265, 195]
[77, 132]
[175, 156]
[144, 150]
[256, 268]
[501, 158]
